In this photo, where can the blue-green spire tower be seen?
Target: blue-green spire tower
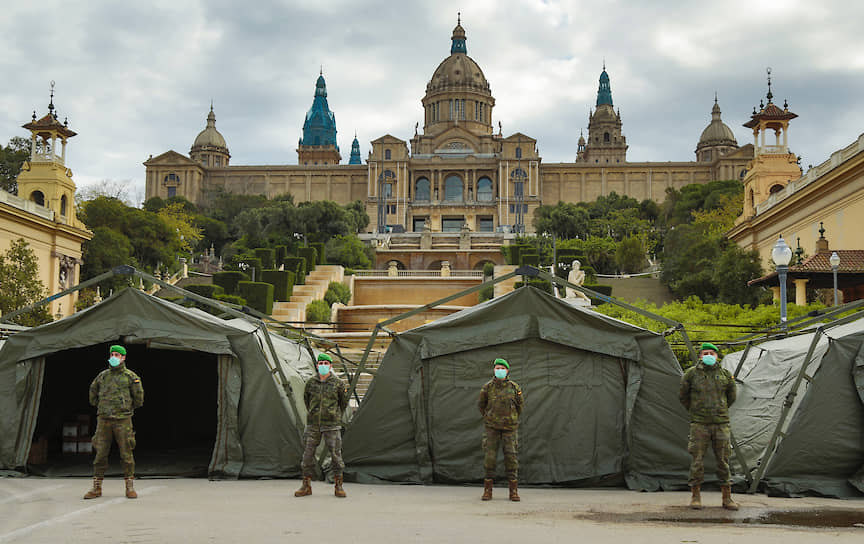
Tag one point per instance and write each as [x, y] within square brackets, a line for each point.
[319, 129]
[355, 152]
[458, 39]
[604, 92]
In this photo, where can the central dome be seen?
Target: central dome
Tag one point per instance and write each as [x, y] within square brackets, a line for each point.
[717, 132]
[210, 137]
[458, 71]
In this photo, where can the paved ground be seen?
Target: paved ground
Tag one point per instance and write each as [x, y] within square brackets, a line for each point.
[263, 511]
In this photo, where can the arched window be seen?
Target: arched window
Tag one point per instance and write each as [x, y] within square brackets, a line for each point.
[776, 188]
[606, 137]
[38, 197]
[484, 190]
[752, 199]
[63, 202]
[171, 178]
[453, 188]
[518, 152]
[386, 154]
[388, 190]
[421, 189]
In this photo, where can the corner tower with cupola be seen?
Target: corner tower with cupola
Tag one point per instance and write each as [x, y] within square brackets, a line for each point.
[45, 179]
[773, 165]
[606, 144]
[318, 145]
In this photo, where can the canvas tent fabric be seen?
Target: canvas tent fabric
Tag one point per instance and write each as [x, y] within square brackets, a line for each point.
[601, 400]
[260, 425]
[823, 448]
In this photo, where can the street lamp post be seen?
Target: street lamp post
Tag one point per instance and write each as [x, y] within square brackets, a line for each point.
[835, 264]
[781, 254]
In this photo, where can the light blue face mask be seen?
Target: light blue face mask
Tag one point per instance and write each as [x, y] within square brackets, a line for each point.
[500, 373]
[114, 362]
[709, 360]
[323, 369]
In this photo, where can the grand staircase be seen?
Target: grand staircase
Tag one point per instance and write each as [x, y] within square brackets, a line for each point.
[294, 310]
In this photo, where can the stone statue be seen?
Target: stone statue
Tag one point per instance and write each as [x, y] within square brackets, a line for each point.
[427, 225]
[576, 277]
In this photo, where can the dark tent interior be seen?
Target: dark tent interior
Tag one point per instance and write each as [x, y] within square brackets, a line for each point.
[175, 429]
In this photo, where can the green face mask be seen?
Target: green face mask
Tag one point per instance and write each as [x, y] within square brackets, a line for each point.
[709, 360]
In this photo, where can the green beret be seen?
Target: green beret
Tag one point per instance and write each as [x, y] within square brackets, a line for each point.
[119, 349]
[709, 345]
[325, 357]
[501, 362]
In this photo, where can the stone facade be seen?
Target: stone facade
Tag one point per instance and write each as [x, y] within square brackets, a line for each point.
[458, 170]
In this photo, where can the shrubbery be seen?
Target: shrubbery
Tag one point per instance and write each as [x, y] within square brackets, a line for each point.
[337, 292]
[258, 295]
[229, 280]
[282, 282]
[318, 311]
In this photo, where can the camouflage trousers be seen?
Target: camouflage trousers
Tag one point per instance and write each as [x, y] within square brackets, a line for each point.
[332, 439]
[703, 436]
[509, 442]
[120, 431]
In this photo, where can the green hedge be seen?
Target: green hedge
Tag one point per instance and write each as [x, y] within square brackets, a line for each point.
[318, 310]
[543, 285]
[231, 299]
[298, 266]
[319, 248]
[602, 289]
[337, 292]
[206, 289]
[311, 256]
[529, 259]
[281, 253]
[267, 257]
[228, 280]
[282, 282]
[487, 293]
[489, 269]
[258, 295]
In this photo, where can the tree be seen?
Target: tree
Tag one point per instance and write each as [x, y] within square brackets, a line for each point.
[20, 285]
[121, 190]
[12, 158]
[108, 248]
[564, 220]
[349, 251]
[630, 255]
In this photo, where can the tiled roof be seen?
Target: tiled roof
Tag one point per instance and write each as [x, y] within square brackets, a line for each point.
[851, 260]
[771, 113]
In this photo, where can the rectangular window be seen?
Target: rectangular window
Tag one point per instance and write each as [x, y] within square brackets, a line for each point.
[419, 223]
[218, 161]
[391, 209]
[513, 208]
[452, 224]
[462, 109]
[485, 224]
[172, 192]
[476, 110]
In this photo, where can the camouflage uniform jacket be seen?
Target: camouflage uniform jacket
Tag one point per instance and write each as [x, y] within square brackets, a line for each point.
[325, 401]
[116, 392]
[707, 392]
[501, 404]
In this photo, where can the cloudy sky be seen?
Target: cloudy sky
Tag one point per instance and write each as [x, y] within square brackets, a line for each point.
[137, 79]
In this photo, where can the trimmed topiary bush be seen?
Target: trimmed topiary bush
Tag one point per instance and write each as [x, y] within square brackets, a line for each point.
[206, 289]
[282, 282]
[228, 280]
[281, 253]
[258, 295]
[267, 257]
[231, 299]
[298, 266]
[318, 311]
[487, 293]
[543, 285]
[319, 247]
[529, 259]
[488, 269]
[311, 256]
[337, 292]
[602, 289]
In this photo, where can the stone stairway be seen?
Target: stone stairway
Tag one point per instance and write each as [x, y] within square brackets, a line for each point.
[317, 281]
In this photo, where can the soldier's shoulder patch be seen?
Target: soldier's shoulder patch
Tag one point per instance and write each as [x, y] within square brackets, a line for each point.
[136, 380]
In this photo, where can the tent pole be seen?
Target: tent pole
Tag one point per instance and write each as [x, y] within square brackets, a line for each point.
[787, 407]
[362, 365]
[289, 391]
[347, 371]
[743, 358]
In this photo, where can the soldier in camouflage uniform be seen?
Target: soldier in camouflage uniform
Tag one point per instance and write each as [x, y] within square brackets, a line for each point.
[326, 398]
[116, 392]
[707, 391]
[500, 405]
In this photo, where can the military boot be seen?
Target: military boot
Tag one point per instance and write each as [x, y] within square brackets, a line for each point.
[96, 491]
[339, 492]
[306, 488]
[696, 499]
[728, 503]
[514, 492]
[487, 489]
[130, 488]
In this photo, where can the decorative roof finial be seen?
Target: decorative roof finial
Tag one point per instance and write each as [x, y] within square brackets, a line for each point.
[770, 95]
[604, 63]
[51, 102]
[458, 17]
[715, 97]
[321, 73]
[34, 115]
[211, 104]
[821, 231]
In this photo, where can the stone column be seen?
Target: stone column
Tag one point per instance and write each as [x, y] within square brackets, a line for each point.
[801, 291]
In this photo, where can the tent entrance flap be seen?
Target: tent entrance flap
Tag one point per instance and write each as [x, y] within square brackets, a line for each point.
[175, 429]
[574, 432]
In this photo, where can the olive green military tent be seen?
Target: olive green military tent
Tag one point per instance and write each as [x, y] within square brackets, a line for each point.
[601, 399]
[211, 386]
[811, 408]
